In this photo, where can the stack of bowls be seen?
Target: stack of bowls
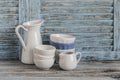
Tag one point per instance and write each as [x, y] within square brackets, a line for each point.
[44, 56]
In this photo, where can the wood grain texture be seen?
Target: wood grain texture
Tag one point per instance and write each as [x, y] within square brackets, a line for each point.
[91, 21]
[79, 29]
[9, 18]
[77, 16]
[85, 71]
[116, 25]
[9, 3]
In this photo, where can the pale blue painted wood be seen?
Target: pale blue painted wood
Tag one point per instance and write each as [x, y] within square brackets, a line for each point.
[8, 21]
[117, 25]
[91, 21]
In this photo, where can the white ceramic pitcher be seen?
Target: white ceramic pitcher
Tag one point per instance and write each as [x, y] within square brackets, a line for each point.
[68, 60]
[32, 38]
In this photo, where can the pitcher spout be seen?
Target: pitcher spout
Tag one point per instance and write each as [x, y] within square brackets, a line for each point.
[34, 23]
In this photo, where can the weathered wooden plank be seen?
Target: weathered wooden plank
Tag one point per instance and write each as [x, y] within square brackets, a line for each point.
[9, 0]
[80, 3]
[88, 42]
[23, 11]
[100, 55]
[58, 78]
[63, 74]
[95, 1]
[8, 22]
[9, 16]
[7, 29]
[79, 23]
[89, 70]
[76, 9]
[94, 48]
[79, 36]
[7, 35]
[102, 16]
[13, 47]
[8, 42]
[9, 3]
[80, 29]
[35, 9]
[10, 10]
[116, 25]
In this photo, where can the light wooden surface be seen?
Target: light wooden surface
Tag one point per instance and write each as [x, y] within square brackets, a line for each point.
[15, 70]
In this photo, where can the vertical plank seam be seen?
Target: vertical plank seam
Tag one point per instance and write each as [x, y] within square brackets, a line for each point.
[116, 25]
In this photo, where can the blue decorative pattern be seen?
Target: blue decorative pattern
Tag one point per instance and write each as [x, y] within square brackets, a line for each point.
[62, 46]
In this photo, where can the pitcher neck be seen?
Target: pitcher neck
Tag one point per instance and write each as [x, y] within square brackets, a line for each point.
[36, 28]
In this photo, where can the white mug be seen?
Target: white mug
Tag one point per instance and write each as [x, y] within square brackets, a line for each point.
[68, 60]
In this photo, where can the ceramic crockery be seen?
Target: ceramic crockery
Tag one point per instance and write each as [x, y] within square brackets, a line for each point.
[63, 43]
[44, 64]
[41, 57]
[62, 38]
[68, 60]
[32, 38]
[45, 50]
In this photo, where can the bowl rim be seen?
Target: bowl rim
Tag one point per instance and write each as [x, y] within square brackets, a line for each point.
[45, 59]
[38, 55]
[40, 47]
[62, 35]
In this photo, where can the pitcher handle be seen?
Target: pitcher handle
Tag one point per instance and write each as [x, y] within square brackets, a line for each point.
[80, 55]
[19, 36]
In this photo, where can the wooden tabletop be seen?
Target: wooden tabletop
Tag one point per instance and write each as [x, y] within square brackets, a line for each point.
[15, 70]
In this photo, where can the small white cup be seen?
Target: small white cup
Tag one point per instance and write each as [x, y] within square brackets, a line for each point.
[44, 64]
[41, 57]
[68, 60]
[45, 50]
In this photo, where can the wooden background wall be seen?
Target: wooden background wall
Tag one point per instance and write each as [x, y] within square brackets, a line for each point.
[91, 21]
[9, 19]
[95, 23]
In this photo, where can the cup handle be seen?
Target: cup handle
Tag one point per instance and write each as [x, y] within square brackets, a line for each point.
[19, 36]
[80, 55]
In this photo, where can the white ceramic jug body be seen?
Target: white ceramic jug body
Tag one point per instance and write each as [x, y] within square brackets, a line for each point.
[32, 38]
[68, 60]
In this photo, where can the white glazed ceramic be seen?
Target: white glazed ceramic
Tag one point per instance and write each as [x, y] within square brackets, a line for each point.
[68, 60]
[32, 38]
[62, 38]
[45, 50]
[62, 51]
[41, 57]
[63, 43]
[44, 64]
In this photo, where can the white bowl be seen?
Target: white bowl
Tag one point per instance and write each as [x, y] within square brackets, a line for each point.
[41, 57]
[62, 38]
[45, 50]
[44, 64]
